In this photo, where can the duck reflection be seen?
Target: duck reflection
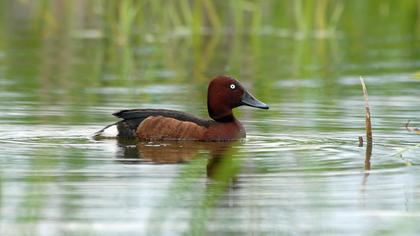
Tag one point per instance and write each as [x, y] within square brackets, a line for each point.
[220, 161]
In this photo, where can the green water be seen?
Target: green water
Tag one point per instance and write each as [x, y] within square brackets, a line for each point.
[66, 66]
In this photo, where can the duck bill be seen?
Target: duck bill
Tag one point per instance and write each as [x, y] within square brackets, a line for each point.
[249, 100]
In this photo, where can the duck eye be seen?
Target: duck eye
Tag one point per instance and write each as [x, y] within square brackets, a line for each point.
[232, 86]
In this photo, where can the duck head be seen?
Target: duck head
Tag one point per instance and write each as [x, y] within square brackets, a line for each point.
[224, 94]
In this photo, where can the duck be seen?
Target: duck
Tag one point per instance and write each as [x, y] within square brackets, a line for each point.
[224, 94]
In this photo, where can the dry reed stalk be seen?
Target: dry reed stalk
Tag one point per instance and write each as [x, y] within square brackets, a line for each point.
[367, 113]
[368, 125]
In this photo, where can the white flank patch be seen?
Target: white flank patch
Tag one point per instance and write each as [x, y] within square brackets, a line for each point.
[109, 132]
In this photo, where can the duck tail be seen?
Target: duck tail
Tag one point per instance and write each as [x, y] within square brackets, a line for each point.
[109, 131]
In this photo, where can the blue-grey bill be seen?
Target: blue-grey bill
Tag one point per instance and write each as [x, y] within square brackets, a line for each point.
[249, 100]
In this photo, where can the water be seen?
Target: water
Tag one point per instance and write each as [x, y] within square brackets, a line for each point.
[298, 172]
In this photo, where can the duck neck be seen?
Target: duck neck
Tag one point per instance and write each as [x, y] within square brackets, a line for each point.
[221, 115]
[225, 119]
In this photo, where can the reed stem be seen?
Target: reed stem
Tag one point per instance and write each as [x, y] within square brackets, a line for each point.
[368, 125]
[367, 113]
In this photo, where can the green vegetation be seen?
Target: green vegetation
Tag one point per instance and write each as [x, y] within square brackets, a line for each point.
[123, 30]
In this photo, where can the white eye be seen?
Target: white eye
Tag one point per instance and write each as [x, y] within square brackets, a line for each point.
[232, 86]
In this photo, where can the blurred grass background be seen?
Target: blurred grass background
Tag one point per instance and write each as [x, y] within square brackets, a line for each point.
[119, 29]
[54, 49]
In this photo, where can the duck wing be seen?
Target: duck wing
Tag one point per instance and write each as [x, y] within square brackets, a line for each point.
[131, 119]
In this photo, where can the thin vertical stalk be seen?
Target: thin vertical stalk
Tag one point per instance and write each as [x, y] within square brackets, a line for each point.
[368, 125]
[367, 113]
